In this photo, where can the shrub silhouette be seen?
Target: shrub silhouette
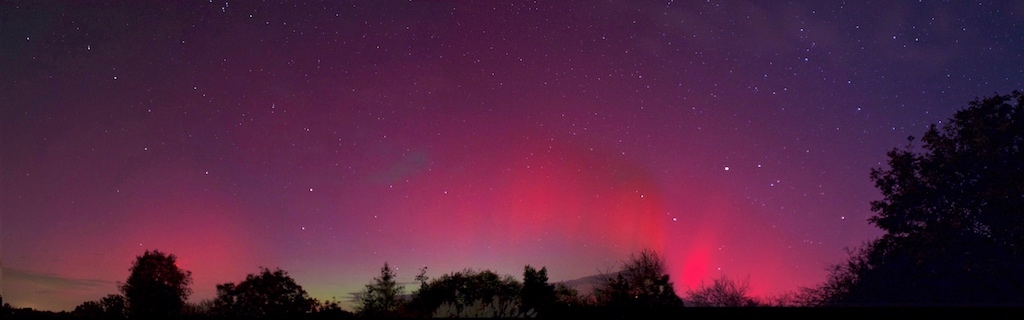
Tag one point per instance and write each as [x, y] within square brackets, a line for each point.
[723, 292]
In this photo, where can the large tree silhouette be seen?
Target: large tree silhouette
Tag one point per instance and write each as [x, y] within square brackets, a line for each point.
[380, 298]
[642, 286]
[464, 289]
[156, 287]
[268, 295]
[537, 293]
[953, 213]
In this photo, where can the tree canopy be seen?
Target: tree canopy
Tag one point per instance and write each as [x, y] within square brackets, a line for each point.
[463, 289]
[111, 307]
[537, 293]
[968, 180]
[156, 287]
[641, 285]
[953, 213]
[267, 295]
[381, 298]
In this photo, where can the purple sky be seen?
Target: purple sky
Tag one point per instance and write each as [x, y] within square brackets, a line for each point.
[327, 138]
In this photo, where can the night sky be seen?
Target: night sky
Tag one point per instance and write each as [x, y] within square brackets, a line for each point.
[327, 138]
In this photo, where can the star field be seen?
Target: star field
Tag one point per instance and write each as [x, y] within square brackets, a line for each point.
[327, 138]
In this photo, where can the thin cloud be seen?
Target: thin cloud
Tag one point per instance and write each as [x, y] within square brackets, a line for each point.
[51, 281]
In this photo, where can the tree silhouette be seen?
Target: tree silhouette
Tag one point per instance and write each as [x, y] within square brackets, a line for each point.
[496, 308]
[641, 286]
[953, 214]
[330, 310]
[422, 277]
[268, 295]
[723, 292]
[198, 310]
[568, 297]
[156, 287]
[380, 298]
[90, 310]
[537, 293]
[463, 289]
[110, 307]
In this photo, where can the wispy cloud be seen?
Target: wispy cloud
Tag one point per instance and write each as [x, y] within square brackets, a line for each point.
[50, 281]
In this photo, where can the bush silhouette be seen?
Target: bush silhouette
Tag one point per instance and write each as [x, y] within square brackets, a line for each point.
[723, 292]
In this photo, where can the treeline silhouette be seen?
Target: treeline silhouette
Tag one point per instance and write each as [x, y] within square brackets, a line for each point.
[952, 211]
[158, 289]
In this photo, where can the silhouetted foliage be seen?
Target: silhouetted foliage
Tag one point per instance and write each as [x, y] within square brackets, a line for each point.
[422, 277]
[953, 216]
[268, 295]
[330, 310]
[537, 293]
[568, 296]
[496, 308]
[156, 287]
[548, 300]
[462, 289]
[381, 298]
[31, 314]
[840, 281]
[784, 299]
[90, 310]
[642, 286]
[198, 310]
[110, 307]
[723, 292]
